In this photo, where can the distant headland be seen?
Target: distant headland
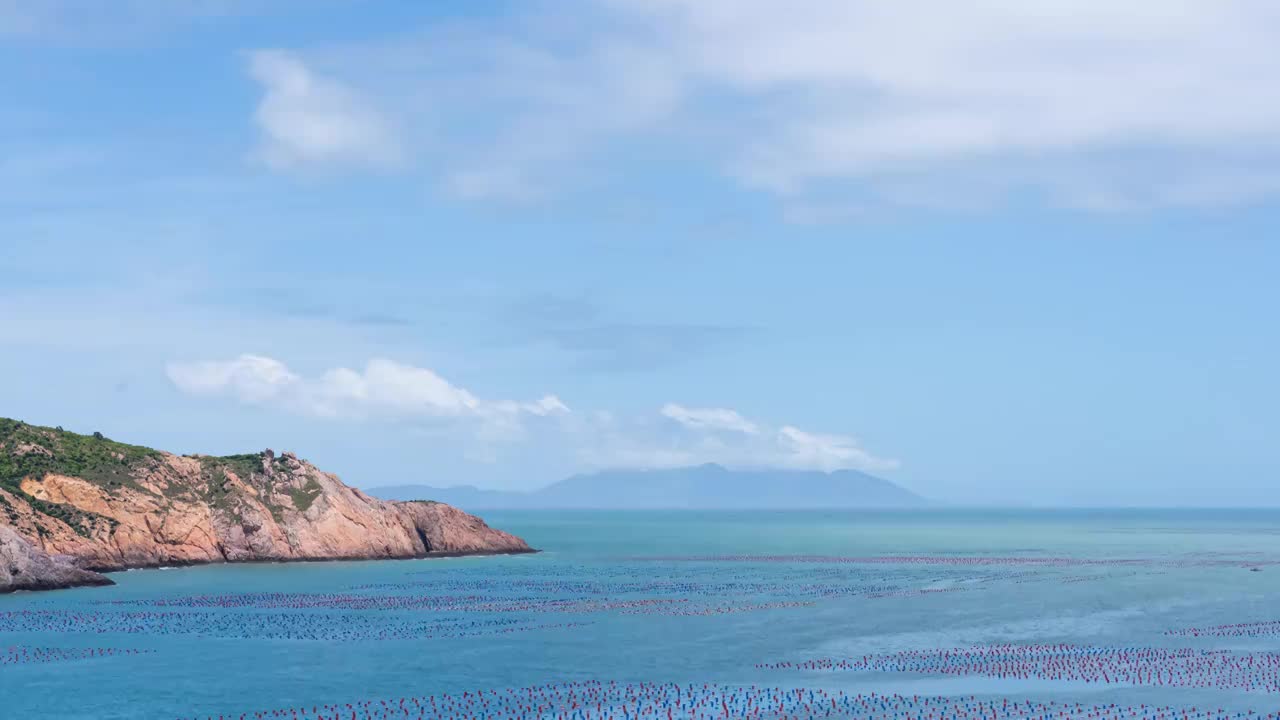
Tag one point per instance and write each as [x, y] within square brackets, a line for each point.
[74, 506]
[702, 487]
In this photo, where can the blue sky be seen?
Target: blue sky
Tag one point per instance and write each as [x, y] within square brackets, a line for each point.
[1001, 253]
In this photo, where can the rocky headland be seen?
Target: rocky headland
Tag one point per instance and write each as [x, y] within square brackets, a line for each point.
[75, 506]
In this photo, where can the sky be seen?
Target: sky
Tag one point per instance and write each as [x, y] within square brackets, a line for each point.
[999, 252]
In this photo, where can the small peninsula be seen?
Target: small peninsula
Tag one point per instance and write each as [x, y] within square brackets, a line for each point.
[75, 506]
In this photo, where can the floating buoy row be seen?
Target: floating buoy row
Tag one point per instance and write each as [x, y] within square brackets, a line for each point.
[430, 603]
[962, 560]
[715, 609]
[918, 592]
[809, 577]
[262, 626]
[1269, 628]
[967, 560]
[594, 700]
[646, 570]
[469, 594]
[655, 587]
[21, 655]
[309, 601]
[1245, 672]
[1070, 579]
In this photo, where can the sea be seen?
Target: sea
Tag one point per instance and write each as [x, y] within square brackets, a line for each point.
[931, 614]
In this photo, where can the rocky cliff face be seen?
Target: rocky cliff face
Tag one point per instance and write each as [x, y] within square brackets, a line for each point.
[23, 567]
[111, 506]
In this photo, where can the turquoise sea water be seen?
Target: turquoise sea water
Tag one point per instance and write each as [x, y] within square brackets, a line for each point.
[663, 597]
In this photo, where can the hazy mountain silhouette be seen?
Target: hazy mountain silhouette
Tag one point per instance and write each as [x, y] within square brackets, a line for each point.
[701, 487]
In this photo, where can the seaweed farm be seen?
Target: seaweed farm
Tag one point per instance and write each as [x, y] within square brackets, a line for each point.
[637, 701]
[26, 655]
[1245, 672]
[1095, 619]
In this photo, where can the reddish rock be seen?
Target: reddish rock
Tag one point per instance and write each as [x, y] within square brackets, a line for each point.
[156, 509]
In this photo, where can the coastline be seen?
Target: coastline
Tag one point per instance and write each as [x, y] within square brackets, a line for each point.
[102, 578]
[302, 561]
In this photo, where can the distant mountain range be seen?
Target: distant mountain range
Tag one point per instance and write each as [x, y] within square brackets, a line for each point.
[704, 487]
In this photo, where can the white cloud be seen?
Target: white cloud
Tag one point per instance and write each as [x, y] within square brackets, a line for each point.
[1095, 104]
[509, 108]
[676, 436]
[722, 436]
[547, 406]
[561, 105]
[249, 378]
[308, 120]
[861, 90]
[709, 419]
[826, 452]
[384, 388]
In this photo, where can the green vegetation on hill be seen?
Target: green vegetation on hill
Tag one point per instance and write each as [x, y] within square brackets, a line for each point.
[304, 497]
[244, 466]
[34, 451]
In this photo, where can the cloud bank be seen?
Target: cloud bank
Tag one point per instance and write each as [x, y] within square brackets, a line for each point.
[831, 105]
[673, 436]
[383, 389]
[684, 436]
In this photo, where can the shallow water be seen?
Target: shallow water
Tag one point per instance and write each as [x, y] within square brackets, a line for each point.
[649, 597]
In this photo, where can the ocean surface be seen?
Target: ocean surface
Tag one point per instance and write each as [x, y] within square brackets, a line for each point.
[997, 607]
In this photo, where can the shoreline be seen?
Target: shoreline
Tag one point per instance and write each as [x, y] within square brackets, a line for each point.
[106, 581]
[293, 561]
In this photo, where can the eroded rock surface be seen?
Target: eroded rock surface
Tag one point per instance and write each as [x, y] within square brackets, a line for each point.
[25, 567]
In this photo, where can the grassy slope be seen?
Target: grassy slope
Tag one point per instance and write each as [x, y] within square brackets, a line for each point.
[105, 462]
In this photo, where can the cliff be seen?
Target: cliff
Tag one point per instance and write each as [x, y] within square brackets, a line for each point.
[108, 506]
[24, 567]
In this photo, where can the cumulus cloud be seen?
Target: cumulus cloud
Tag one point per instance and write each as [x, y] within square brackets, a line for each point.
[383, 388]
[307, 120]
[675, 436]
[249, 378]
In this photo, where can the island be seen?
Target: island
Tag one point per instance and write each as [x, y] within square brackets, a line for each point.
[73, 507]
[702, 487]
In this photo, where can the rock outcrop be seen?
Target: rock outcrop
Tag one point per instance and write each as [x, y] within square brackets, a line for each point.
[23, 567]
[110, 506]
